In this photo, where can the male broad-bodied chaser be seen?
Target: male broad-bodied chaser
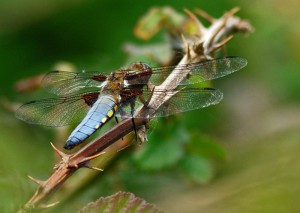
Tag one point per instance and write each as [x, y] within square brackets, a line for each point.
[93, 98]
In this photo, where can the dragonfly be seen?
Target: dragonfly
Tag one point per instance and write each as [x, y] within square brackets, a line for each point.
[93, 98]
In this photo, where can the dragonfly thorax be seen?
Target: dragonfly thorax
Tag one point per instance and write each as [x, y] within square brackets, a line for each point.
[114, 82]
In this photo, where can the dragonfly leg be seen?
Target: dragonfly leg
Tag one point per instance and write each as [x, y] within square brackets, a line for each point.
[132, 104]
[142, 99]
[116, 118]
[135, 131]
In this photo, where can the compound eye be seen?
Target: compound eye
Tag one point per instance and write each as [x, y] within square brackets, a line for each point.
[136, 66]
[145, 66]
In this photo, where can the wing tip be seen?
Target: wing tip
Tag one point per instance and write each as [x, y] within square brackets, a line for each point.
[241, 61]
[216, 96]
[219, 96]
[21, 114]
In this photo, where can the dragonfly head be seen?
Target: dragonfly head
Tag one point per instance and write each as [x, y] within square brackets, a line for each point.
[139, 66]
[138, 73]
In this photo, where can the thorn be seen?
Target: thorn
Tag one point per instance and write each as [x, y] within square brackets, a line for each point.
[87, 165]
[205, 15]
[229, 14]
[224, 21]
[46, 206]
[218, 30]
[232, 11]
[39, 182]
[199, 25]
[91, 157]
[186, 45]
[60, 153]
[222, 43]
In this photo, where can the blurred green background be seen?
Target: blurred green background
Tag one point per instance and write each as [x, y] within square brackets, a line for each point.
[239, 156]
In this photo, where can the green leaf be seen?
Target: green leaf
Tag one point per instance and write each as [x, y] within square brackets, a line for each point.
[154, 53]
[156, 19]
[162, 152]
[206, 147]
[197, 169]
[123, 202]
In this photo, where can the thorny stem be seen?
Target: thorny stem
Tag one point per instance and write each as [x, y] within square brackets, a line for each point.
[212, 38]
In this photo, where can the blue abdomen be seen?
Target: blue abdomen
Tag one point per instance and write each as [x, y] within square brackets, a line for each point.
[101, 111]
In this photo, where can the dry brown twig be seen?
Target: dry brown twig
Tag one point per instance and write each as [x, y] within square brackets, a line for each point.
[197, 48]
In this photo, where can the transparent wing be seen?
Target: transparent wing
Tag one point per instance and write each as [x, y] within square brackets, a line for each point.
[190, 99]
[57, 111]
[184, 100]
[63, 82]
[200, 71]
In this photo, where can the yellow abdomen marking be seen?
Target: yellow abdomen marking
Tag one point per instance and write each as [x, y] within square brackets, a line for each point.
[110, 113]
[115, 107]
[104, 120]
[97, 126]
